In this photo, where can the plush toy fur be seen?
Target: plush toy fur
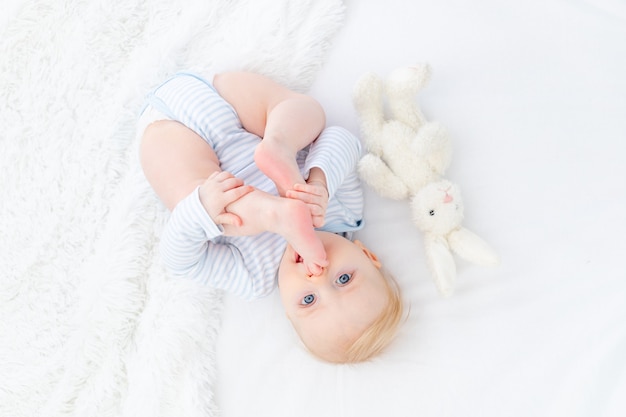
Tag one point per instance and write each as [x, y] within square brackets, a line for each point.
[406, 159]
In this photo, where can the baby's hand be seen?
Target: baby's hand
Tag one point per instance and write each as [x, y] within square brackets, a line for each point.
[315, 195]
[218, 191]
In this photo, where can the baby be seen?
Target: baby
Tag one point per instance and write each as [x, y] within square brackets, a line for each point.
[288, 224]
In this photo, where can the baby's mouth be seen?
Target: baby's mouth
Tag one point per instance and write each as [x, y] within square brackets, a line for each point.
[299, 259]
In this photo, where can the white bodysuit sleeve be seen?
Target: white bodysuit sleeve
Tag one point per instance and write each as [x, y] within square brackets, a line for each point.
[188, 247]
[336, 152]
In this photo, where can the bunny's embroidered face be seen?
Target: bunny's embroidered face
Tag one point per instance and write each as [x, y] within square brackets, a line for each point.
[438, 208]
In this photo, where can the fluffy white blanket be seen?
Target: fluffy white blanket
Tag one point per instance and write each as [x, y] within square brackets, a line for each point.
[90, 324]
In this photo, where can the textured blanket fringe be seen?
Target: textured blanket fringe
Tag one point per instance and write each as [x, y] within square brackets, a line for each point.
[91, 324]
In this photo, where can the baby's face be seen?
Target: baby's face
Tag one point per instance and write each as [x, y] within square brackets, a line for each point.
[330, 310]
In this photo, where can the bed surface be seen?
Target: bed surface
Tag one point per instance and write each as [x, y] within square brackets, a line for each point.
[534, 97]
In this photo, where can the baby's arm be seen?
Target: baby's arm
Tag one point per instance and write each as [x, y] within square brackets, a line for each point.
[332, 158]
[187, 246]
[193, 247]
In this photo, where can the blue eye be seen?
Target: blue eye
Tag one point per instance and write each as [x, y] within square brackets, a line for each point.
[308, 300]
[344, 279]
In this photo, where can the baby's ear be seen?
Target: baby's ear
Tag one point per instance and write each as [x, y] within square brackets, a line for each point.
[371, 255]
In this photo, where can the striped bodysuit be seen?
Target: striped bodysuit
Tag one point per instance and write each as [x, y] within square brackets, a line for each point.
[192, 244]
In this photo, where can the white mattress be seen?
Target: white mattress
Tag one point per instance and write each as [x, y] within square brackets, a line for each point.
[534, 96]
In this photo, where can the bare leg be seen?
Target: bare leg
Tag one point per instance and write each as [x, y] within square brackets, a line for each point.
[176, 160]
[287, 121]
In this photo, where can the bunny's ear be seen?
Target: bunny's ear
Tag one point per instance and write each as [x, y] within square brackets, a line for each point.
[472, 248]
[441, 264]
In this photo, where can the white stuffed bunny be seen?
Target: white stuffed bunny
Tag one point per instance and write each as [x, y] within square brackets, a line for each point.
[407, 158]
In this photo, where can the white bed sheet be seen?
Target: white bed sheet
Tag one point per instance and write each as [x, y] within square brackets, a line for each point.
[534, 96]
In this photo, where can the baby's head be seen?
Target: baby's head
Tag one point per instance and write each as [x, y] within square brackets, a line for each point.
[350, 312]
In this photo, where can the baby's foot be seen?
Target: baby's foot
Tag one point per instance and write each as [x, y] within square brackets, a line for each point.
[279, 164]
[296, 226]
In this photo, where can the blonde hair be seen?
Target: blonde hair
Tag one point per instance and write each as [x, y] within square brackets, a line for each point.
[382, 331]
